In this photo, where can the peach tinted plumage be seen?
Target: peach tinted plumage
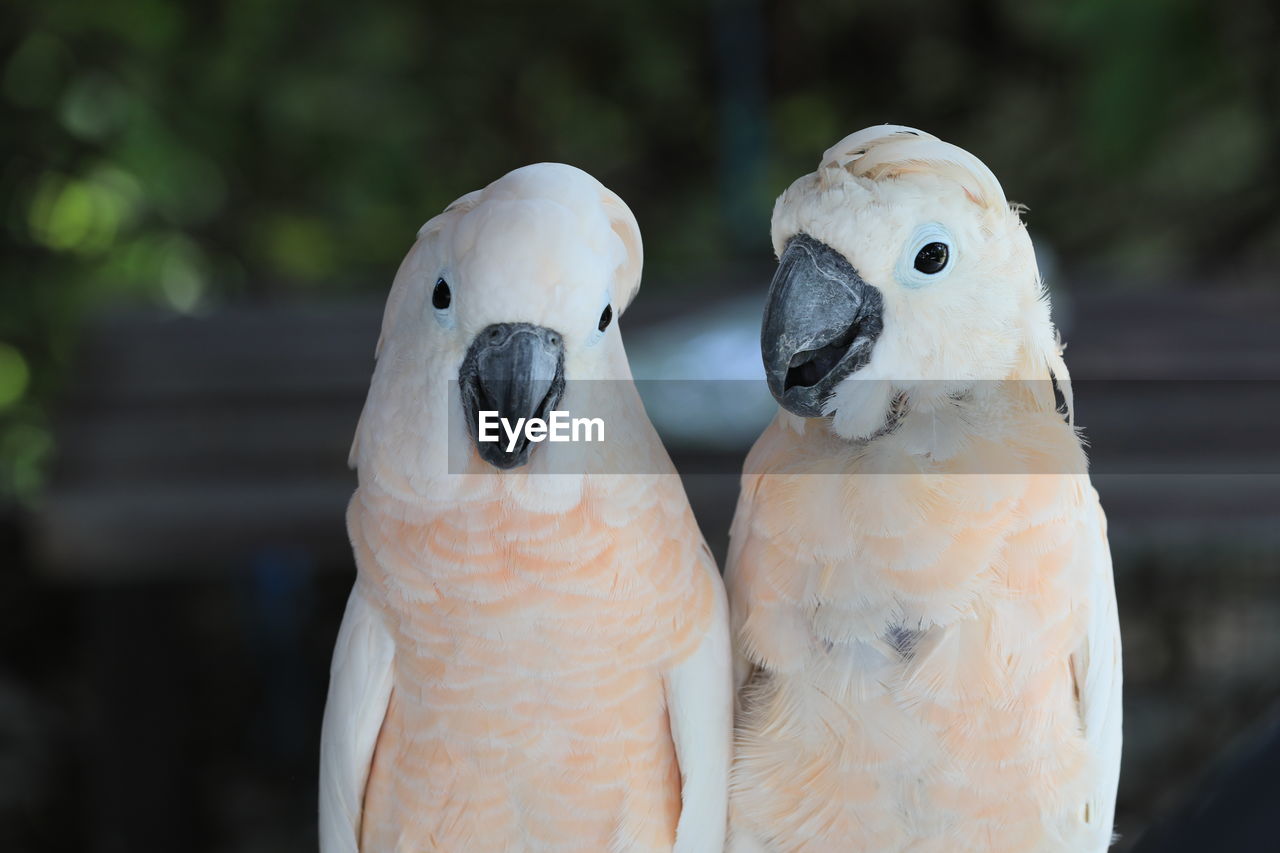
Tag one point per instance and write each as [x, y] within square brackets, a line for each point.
[535, 655]
[926, 643]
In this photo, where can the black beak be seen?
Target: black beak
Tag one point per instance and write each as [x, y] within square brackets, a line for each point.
[820, 324]
[516, 370]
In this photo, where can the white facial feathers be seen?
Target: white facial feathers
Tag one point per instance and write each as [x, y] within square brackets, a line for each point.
[546, 245]
[971, 309]
[590, 217]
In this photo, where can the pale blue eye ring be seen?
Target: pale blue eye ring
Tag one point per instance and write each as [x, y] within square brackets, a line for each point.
[442, 301]
[936, 243]
[602, 323]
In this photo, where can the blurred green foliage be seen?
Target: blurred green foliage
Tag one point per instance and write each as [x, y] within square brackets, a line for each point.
[187, 154]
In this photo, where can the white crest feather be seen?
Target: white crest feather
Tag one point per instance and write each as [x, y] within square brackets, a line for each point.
[856, 144]
[888, 150]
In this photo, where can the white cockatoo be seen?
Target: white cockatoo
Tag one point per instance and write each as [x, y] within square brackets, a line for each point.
[535, 655]
[927, 651]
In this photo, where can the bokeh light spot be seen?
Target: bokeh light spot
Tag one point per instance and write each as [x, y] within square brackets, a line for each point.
[35, 71]
[300, 247]
[77, 215]
[24, 450]
[94, 106]
[182, 274]
[14, 375]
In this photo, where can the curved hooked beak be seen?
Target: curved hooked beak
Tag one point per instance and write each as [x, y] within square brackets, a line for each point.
[517, 371]
[820, 324]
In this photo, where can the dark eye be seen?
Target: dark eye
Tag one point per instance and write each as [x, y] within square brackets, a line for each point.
[441, 297]
[932, 258]
[606, 317]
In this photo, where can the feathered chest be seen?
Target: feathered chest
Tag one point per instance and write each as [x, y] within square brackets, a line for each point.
[886, 571]
[490, 574]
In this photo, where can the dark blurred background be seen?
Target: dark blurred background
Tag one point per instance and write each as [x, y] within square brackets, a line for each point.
[204, 205]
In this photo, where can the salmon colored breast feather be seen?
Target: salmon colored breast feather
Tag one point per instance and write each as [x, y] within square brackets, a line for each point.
[528, 698]
[961, 731]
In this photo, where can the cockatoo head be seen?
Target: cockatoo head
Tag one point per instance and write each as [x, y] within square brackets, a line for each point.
[899, 261]
[508, 293]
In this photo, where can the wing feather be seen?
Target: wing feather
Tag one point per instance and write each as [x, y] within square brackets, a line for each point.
[739, 535]
[360, 682]
[1099, 678]
[700, 707]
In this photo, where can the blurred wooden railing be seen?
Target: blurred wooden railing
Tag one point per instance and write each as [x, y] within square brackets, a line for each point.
[188, 444]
